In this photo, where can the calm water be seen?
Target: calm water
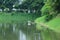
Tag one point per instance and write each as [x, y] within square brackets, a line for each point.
[18, 31]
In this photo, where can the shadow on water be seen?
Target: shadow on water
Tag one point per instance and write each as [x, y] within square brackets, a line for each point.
[19, 31]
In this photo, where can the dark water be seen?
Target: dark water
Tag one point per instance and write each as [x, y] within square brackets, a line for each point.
[18, 31]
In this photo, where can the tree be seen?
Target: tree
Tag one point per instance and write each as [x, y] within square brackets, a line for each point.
[51, 8]
[7, 4]
[32, 5]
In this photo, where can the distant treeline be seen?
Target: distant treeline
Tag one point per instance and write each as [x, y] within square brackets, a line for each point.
[21, 5]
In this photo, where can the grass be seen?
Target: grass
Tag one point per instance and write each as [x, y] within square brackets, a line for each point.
[15, 17]
[38, 21]
[53, 24]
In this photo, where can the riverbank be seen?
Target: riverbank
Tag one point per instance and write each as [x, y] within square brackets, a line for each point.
[50, 29]
[53, 24]
[16, 17]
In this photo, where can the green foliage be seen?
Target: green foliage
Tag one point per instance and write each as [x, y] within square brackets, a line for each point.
[54, 24]
[51, 8]
[32, 5]
[38, 21]
[16, 17]
[51, 21]
[47, 8]
[7, 4]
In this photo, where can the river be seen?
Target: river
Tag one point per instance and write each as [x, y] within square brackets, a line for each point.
[18, 31]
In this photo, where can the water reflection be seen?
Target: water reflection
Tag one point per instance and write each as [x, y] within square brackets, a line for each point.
[22, 36]
[14, 27]
[18, 31]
